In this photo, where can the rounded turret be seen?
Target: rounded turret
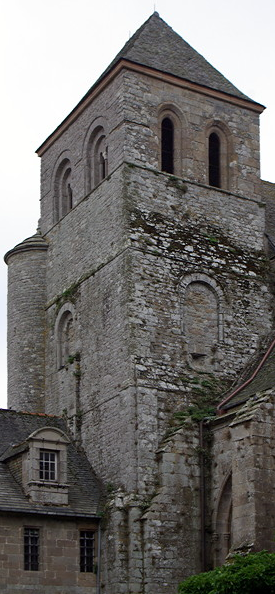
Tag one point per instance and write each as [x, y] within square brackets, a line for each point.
[26, 323]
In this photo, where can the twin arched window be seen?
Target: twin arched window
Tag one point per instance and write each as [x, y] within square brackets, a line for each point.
[170, 162]
[96, 169]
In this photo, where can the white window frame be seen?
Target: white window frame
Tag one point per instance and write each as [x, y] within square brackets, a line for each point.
[48, 465]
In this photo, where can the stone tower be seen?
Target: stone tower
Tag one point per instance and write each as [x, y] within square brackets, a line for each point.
[26, 314]
[153, 293]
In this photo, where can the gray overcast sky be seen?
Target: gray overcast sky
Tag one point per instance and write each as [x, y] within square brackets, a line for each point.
[52, 51]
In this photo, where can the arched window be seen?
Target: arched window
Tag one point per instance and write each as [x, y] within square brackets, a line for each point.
[96, 158]
[100, 160]
[202, 320]
[63, 195]
[103, 164]
[66, 192]
[201, 324]
[167, 145]
[223, 529]
[214, 160]
[172, 142]
[65, 339]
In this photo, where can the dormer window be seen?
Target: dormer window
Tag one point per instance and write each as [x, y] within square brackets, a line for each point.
[45, 467]
[48, 465]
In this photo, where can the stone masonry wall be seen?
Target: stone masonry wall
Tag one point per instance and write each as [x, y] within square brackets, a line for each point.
[154, 542]
[26, 330]
[106, 110]
[89, 271]
[59, 557]
[128, 304]
[242, 446]
[120, 263]
[129, 109]
[145, 97]
[172, 523]
[185, 231]
[253, 473]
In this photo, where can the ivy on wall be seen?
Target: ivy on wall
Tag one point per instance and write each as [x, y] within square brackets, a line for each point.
[250, 574]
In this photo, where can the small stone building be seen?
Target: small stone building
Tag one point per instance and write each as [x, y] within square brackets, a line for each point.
[49, 508]
[144, 296]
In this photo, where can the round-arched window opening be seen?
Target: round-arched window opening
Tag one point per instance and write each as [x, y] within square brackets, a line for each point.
[214, 160]
[167, 145]
[65, 339]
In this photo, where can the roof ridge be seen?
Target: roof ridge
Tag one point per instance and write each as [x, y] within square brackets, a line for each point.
[137, 33]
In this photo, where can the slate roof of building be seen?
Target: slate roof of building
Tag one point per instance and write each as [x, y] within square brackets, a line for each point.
[84, 487]
[263, 380]
[35, 242]
[157, 46]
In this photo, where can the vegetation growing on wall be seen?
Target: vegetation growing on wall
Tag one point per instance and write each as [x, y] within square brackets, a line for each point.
[252, 574]
[205, 393]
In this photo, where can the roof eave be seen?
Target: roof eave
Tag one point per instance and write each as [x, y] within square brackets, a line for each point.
[53, 513]
[122, 63]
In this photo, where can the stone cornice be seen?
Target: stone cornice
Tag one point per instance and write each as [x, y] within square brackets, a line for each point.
[36, 242]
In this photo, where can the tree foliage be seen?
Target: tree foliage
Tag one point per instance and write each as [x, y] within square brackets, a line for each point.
[250, 574]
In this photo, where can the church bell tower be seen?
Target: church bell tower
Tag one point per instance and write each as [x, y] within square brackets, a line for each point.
[153, 293]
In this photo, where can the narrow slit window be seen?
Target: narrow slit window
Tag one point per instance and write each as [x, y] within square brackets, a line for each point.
[66, 192]
[31, 549]
[87, 543]
[102, 165]
[214, 158]
[167, 145]
[47, 466]
[70, 197]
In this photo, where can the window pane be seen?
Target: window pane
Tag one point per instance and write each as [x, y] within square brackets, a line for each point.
[48, 466]
[86, 550]
[31, 549]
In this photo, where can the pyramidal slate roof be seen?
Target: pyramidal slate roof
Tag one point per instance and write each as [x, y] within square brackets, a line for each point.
[84, 487]
[157, 46]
